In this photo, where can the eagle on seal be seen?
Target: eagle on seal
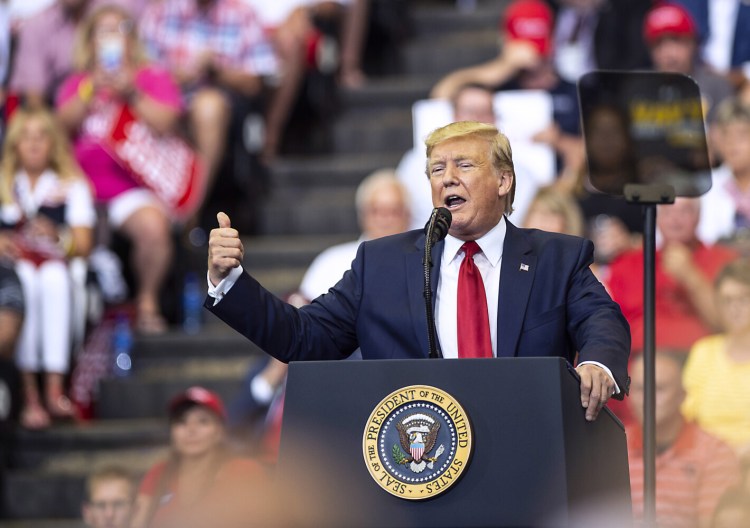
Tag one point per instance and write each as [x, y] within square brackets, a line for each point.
[418, 434]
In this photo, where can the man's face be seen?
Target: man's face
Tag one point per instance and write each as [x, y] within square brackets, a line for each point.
[111, 504]
[669, 391]
[673, 54]
[385, 213]
[474, 104]
[464, 181]
[678, 222]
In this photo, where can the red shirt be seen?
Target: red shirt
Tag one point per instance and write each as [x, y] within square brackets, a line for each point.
[678, 324]
[235, 478]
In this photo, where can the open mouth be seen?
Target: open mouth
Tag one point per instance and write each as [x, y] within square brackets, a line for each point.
[453, 201]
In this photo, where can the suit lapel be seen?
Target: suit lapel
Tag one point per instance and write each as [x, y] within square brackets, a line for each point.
[415, 289]
[516, 277]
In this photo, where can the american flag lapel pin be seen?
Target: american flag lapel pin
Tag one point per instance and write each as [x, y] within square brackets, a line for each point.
[524, 267]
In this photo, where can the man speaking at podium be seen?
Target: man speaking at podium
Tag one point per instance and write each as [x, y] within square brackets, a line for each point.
[524, 293]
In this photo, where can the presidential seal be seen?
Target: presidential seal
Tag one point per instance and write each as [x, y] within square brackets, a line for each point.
[417, 442]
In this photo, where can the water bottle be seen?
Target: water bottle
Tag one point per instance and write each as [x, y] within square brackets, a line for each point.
[192, 304]
[122, 343]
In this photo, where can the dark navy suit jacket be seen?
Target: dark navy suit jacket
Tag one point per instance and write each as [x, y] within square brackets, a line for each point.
[550, 304]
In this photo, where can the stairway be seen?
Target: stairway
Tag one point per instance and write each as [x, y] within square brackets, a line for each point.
[311, 207]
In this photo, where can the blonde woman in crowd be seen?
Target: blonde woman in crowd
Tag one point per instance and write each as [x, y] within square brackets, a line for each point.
[48, 207]
[555, 211]
[717, 374]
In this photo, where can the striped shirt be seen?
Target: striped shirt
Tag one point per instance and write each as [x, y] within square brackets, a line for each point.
[718, 391]
[177, 32]
[691, 476]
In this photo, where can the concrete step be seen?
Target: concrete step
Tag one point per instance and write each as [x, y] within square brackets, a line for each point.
[215, 340]
[44, 523]
[460, 16]
[325, 171]
[42, 449]
[440, 55]
[380, 130]
[310, 211]
[146, 394]
[388, 92]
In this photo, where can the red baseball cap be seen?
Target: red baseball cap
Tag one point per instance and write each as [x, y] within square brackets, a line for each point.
[530, 21]
[668, 19]
[199, 396]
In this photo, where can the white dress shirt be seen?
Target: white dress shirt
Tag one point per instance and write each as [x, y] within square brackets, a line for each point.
[446, 300]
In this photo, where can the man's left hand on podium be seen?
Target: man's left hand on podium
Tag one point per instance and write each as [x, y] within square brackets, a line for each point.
[596, 388]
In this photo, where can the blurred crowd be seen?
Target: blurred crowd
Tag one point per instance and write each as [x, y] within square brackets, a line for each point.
[121, 119]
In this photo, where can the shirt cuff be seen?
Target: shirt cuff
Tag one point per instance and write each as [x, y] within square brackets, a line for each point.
[220, 290]
[603, 367]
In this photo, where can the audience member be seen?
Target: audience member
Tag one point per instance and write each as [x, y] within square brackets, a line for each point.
[47, 203]
[219, 54]
[110, 498]
[11, 318]
[553, 211]
[306, 35]
[113, 82]
[685, 268]
[382, 209]
[43, 57]
[670, 33]
[693, 468]
[201, 483]
[717, 374]
[598, 34]
[729, 196]
[21, 10]
[526, 62]
[722, 30]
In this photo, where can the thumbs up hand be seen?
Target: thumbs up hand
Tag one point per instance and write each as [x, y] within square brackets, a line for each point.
[225, 250]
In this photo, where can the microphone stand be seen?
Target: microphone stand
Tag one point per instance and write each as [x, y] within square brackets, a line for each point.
[427, 263]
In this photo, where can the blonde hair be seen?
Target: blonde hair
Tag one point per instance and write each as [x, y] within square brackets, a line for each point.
[561, 204]
[84, 54]
[501, 155]
[108, 474]
[61, 158]
[738, 270]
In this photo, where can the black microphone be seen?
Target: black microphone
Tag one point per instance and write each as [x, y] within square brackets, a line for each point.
[438, 225]
[435, 231]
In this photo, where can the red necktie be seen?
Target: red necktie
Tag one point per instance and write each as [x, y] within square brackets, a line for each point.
[473, 320]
